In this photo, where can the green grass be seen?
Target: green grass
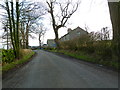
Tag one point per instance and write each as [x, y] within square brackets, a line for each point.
[0, 61]
[0, 55]
[12, 65]
[0, 52]
[89, 58]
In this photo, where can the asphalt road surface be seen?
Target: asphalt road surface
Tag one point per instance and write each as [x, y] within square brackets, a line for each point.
[48, 70]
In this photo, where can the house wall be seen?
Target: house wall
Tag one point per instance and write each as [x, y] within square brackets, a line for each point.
[76, 33]
[51, 43]
[66, 37]
[73, 34]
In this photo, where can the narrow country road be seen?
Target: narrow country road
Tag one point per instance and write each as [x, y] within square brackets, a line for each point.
[48, 70]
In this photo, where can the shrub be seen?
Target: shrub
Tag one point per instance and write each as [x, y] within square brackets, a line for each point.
[0, 56]
[19, 62]
[24, 52]
[8, 56]
[50, 48]
[101, 48]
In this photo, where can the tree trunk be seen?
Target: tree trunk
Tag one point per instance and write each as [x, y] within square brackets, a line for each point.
[115, 18]
[7, 39]
[17, 29]
[13, 23]
[27, 30]
[23, 36]
[57, 39]
[10, 23]
[39, 41]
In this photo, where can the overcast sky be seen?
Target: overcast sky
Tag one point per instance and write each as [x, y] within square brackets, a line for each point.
[93, 13]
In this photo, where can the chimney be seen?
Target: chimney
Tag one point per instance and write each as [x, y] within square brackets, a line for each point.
[69, 30]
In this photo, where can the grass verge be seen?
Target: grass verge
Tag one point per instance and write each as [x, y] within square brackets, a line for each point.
[89, 58]
[12, 65]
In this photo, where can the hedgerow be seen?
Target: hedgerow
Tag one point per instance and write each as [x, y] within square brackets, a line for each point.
[7, 56]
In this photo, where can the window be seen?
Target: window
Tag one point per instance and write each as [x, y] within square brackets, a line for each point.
[78, 33]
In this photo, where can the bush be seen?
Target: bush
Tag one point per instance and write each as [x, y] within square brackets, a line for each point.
[50, 48]
[8, 56]
[86, 44]
[0, 57]
[24, 52]
[19, 62]
[103, 49]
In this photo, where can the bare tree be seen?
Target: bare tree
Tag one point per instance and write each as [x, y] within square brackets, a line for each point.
[19, 17]
[86, 28]
[40, 30]
[105, 33]
[13, 26]
[60, 20]
[31, 13]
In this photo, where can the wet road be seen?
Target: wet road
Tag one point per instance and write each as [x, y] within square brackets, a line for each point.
[47, 70]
